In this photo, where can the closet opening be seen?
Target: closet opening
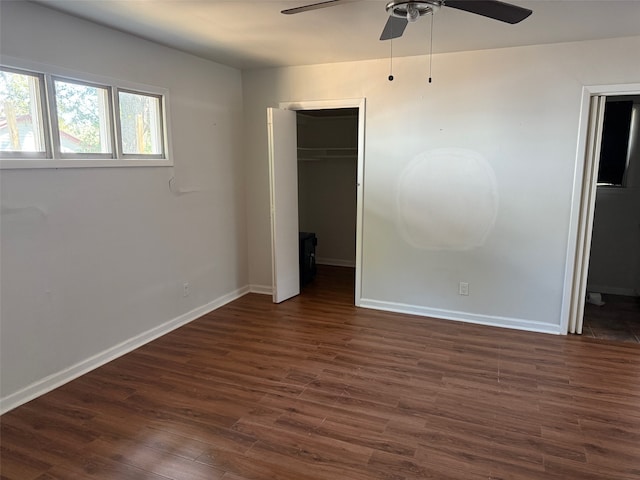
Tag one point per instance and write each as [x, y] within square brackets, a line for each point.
[603, 287]
[612, 306]
[327, 152]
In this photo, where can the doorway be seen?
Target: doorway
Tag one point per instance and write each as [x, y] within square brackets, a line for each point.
[606, 215]
[612, 310]
[331, 167]
[327, 191]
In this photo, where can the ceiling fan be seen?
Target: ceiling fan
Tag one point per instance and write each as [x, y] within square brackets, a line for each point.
[402, 12]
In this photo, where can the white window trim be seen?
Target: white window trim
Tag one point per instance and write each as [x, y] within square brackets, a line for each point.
[55, 160]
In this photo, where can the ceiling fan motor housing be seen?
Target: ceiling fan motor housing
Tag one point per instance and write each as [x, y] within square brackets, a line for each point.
[411, 10]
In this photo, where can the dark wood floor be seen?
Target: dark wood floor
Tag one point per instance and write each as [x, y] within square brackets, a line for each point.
[317, 389]
[618, 319]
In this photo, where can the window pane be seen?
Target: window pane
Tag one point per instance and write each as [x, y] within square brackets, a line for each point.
[140, 123]
[616, 135]
[83, 118]
[21, 126]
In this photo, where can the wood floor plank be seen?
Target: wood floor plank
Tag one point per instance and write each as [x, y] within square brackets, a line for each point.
[162, 463]
[97, 468]
[317, 389]
[20, 464]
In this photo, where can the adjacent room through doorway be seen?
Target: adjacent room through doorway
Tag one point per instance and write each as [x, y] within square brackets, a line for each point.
[327, 196]
[612, 310]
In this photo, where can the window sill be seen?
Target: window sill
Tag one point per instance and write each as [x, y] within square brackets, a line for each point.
[28, 163]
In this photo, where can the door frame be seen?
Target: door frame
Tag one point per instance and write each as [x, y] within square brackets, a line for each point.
[360, 104]
[583, 203]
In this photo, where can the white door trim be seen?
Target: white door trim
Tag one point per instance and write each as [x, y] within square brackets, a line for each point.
[360, 104]
[582, 209]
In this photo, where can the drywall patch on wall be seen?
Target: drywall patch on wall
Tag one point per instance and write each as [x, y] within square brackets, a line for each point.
[447, 199]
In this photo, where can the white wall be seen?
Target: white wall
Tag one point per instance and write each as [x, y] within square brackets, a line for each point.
[327, 207]
[95, 257]
[494, 212]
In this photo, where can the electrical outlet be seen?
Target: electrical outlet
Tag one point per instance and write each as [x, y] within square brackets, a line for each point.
[185, 289]
[463, 288]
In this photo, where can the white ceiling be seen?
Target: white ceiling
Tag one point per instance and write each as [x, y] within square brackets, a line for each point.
[253, 34]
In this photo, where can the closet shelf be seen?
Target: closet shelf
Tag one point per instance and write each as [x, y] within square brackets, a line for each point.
[310, 154]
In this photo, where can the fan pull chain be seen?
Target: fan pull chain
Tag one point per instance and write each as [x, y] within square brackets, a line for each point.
[391, 61]
[431, 47]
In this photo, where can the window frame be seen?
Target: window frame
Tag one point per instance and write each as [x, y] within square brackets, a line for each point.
[41, 104]
[162, 118]
[624, 160]
[54, 158]
[55, 127]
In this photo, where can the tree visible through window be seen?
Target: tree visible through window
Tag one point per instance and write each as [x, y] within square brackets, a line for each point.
[49, 120]
[140, 124]
[83, 117]
[21, 124]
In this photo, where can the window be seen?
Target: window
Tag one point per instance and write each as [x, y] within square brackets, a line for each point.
[82, 119]
[60, 120]
[140, 124]
[22, 128]
[616, 142]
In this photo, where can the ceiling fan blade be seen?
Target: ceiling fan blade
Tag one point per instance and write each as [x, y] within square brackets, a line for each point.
[315, 6]
[505, 12]
[394, 28]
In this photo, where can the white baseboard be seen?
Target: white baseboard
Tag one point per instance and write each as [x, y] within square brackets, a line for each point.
[335, 262]
[489, 320]
[58, 379]
[627, 292]
[261, 289]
